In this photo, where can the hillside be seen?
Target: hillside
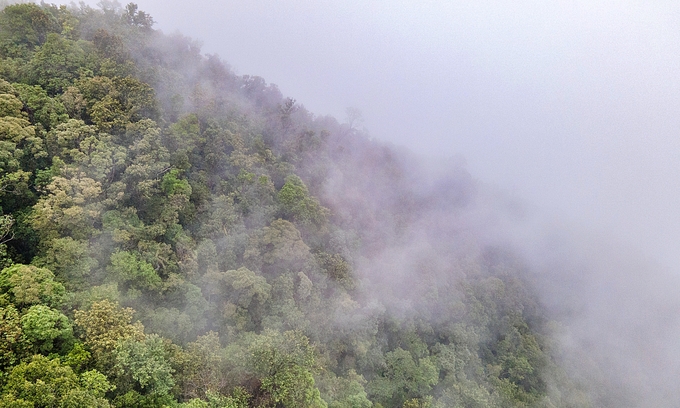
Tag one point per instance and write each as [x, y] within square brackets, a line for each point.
[174, 234]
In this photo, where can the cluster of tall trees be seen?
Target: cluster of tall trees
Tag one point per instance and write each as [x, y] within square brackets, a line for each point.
[172, 234]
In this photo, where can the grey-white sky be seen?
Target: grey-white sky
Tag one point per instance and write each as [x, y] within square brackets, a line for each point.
[570, 105]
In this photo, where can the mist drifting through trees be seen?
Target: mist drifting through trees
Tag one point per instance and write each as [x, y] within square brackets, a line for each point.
[173, 233]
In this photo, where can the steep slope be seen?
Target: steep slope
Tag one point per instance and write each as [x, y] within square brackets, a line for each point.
[176, 235]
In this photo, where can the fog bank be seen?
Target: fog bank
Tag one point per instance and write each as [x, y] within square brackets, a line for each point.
[568, 108]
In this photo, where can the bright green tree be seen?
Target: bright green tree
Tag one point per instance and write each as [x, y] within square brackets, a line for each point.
[47, 383]
[26, 285]
[285, 363]
[47, 329]
[146, 363]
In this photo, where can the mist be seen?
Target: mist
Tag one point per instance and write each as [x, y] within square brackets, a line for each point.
[568, 105]
[566, 109]
[544, 130]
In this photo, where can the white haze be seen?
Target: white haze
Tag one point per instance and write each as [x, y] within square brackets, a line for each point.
[571, 107]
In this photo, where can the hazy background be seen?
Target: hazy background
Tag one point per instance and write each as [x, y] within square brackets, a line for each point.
[571, 105]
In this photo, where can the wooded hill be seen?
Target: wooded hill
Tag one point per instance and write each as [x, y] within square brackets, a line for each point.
[174, 234]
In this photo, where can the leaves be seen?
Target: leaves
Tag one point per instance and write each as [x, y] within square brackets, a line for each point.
[70, 207]
[297, 203]
[145, 361]
[26, 285]
[126, 267]
[24, 26]
[285, 363]
[43, 382]
[104, 324]
[46, 329]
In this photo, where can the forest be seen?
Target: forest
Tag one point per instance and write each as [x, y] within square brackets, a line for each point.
[175, 235]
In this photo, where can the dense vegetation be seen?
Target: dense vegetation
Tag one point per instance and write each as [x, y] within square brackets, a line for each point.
[173, 234]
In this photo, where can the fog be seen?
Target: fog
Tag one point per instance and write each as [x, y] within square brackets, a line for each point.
[569, 108]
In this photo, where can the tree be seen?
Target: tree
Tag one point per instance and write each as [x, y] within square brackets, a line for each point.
[354, 118]
[6, 235]
[69, 259]
[148, 161]
[128, 269]
[56, 63]
[285, 364]
[278, 248]
[47, 329]
[104, 324]
[10, 105]
[27, 285]
[346, 391]
[70, 207]
[203, 370]
[110, 46]
[42, 109]
[238, 399]
[24, 27]
[145, 361]
[13, 347]
[403, 378]
[65, 139]
[47, 383]
[21, 149]
[239, 296]
[299, 205]
[137, 18]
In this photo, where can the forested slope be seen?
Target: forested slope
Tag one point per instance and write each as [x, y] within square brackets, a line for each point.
[174, 234]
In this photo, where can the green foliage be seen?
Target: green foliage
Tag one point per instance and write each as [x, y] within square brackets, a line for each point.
[518, 362]
[105, 324]
[278, 247]
[146, 363]
[64, 141]
[13, 347]
[345, 392]
[297, 203]
[46, 329]
[20, 151]
[238, 399]
[48, 383]
[203, 372]
[171, 184]
[239, 296]
[77, 357]
[26, 285]
[337, 269]
[110, 46]
[24, 27]
[6, 234]
[70, 207]
[112, 103]
[133, 399]
[285, 364]
[127, 268]
[403, 378]
[56, 64]
[49, 112]
[10, 105]
[69, 259]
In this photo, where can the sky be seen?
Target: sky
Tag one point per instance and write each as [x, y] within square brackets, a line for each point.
[571, 106]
